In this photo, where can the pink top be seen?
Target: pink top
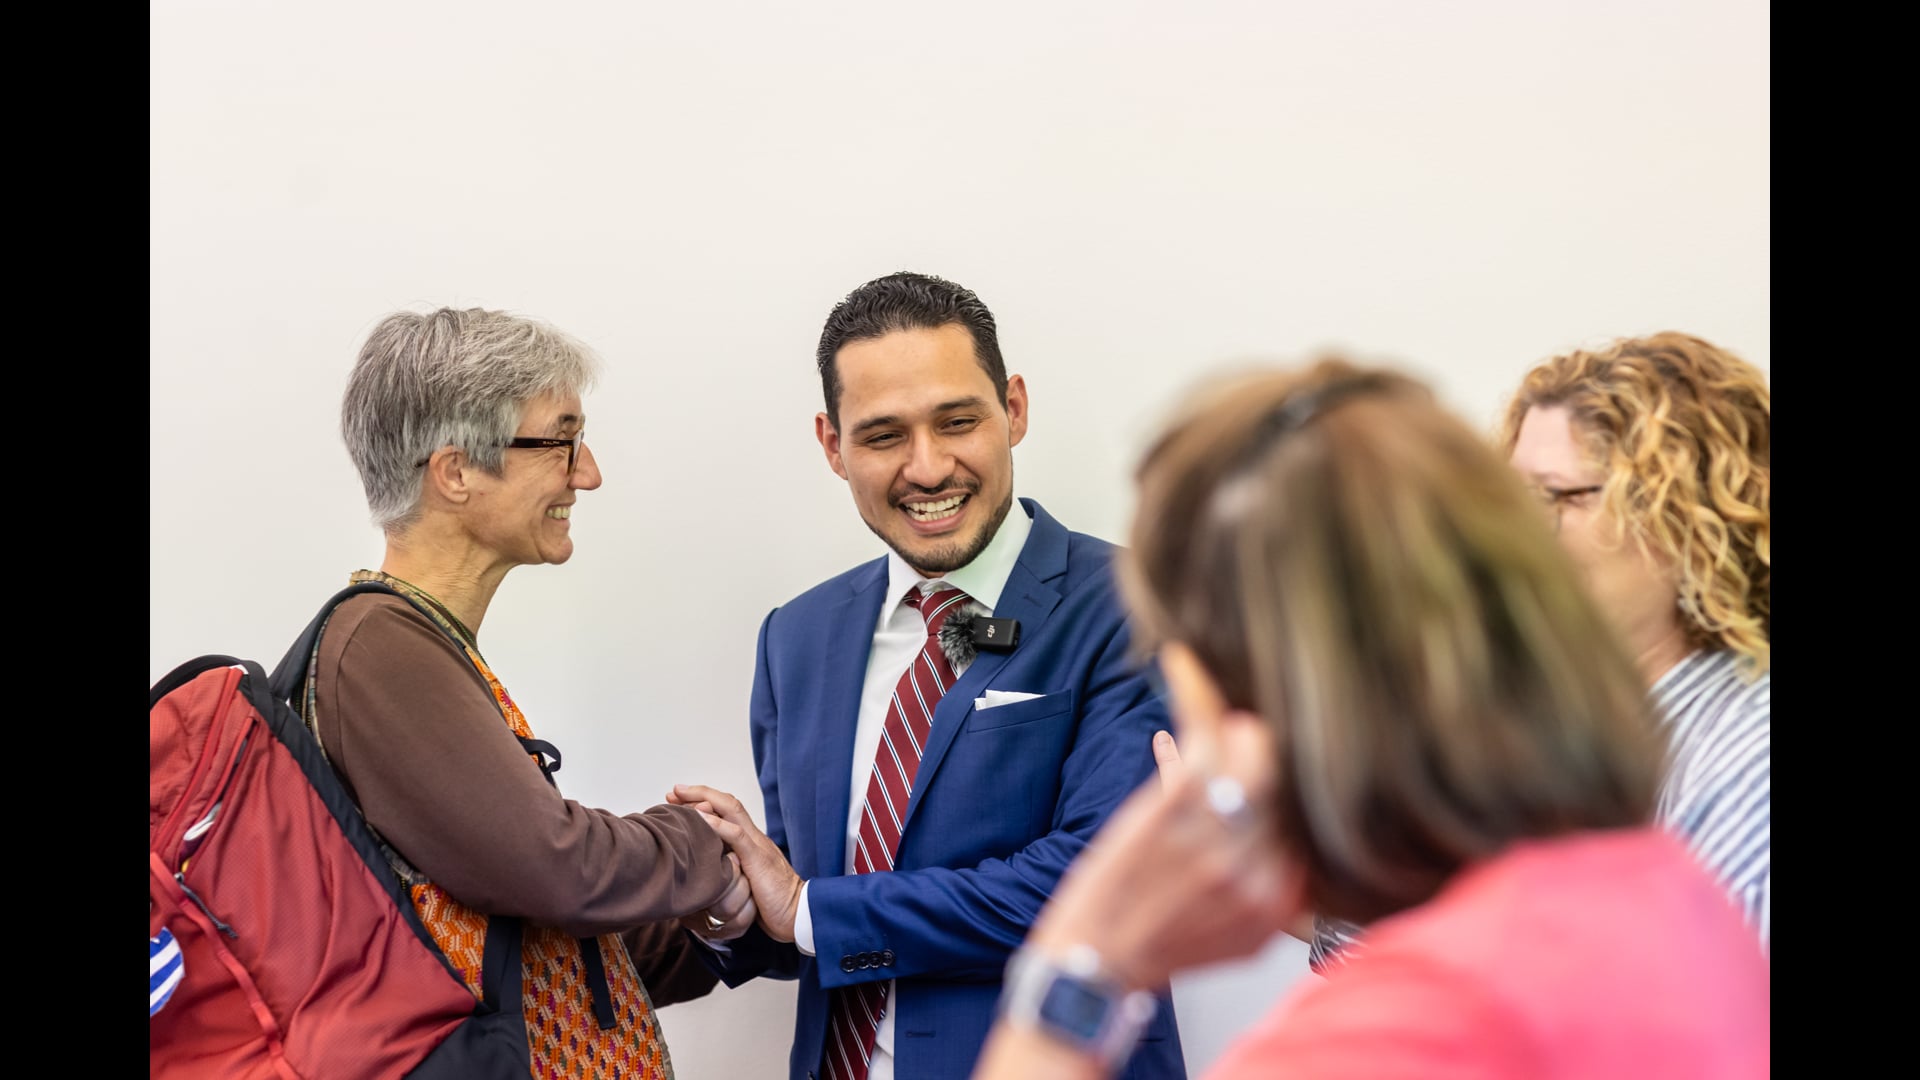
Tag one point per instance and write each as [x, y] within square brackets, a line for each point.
[1605, 955]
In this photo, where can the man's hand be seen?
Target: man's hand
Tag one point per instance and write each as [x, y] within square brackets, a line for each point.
[776, 888]
[734, 913]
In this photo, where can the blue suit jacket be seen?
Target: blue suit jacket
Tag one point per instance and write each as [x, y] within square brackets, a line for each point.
[1004, 800]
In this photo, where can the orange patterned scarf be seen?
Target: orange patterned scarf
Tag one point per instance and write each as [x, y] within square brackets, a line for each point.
[566, 1041]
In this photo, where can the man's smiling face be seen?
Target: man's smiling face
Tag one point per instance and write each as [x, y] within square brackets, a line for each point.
[924, 443]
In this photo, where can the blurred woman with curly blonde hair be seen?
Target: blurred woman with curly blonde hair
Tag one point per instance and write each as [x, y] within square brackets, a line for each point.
[1652, 456]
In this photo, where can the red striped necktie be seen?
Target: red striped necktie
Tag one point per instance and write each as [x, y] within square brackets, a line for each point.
[856, 1011]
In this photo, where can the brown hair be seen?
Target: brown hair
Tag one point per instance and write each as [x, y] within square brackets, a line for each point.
[1361, 570]
[1683, 430]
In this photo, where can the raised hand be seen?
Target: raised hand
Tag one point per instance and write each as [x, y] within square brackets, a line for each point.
[776, 888]
[1166, 755]
[1185, 873]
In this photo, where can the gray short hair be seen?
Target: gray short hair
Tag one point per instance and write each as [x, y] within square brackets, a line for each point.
[459, 378]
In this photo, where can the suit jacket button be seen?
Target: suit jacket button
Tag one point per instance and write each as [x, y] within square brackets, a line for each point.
[846, 963]
[886, 958]
[866, 960]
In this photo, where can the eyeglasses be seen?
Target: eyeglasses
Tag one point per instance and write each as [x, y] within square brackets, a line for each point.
[524, 442]
[529, 442]
[1556, 499]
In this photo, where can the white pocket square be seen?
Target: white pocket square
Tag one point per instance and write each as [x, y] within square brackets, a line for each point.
[995, 698]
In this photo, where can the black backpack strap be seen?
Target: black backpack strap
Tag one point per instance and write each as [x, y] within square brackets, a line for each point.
[500, 957]
[597, 987]
[187, 672]
[591, 957]
[291, 672]
[278, 698]
[500, 965]
[541, 750]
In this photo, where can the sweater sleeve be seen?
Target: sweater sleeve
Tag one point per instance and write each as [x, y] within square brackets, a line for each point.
[669, 963]
[416, 734]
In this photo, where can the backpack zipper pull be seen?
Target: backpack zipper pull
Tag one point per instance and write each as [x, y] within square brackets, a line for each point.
[202, 904]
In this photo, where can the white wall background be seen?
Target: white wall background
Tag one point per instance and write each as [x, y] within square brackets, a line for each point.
[1141, 191]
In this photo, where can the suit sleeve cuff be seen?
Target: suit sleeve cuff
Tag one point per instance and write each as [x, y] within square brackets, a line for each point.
[803, 922]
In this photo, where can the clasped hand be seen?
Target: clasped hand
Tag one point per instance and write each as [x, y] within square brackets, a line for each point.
[766, 889]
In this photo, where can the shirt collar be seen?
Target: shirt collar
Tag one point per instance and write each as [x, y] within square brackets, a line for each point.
[983, 579]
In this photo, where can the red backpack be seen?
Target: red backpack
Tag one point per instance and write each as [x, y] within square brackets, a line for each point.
[300, 954]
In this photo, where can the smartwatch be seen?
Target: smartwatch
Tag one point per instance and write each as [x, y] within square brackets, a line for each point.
[1073, 999]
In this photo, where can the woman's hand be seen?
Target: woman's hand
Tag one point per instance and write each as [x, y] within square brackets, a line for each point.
[1187, 872]
[776, 888]
[731, 915]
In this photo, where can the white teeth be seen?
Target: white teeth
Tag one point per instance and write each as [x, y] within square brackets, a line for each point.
[927, 511]
[560, 512]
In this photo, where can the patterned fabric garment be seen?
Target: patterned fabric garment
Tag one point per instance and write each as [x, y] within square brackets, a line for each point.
[567, 1043]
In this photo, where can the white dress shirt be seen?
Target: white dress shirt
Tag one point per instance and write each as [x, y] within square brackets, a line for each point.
[897, 638]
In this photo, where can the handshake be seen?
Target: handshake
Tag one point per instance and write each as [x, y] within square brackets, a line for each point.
[764, 888]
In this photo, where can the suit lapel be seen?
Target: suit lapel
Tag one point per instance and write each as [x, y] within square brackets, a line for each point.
[1030, 597]
[843, 673]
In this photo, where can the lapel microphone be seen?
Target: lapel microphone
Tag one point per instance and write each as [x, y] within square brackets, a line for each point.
[964, 634]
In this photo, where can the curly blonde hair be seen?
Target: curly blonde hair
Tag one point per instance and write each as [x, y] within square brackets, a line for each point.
[1683, 429]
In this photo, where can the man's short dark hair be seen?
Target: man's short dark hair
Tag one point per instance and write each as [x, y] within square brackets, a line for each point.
[907, 301]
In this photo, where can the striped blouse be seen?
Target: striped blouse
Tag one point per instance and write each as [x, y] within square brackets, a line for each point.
[1718, 793]
[1719, 789]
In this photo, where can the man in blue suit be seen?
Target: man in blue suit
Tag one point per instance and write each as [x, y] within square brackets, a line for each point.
[926, 785]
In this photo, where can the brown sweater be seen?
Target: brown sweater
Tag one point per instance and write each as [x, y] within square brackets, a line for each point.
[414, 732]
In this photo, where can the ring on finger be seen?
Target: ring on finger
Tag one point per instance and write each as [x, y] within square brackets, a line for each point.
[1229, 802]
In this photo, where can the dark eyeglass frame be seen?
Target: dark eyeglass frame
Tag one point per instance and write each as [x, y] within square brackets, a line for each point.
[535, 442]
[528, 442]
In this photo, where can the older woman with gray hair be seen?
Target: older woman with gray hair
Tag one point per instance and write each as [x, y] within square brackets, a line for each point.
[468, 430]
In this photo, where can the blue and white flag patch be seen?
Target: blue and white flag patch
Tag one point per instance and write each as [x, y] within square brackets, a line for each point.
[165, 966]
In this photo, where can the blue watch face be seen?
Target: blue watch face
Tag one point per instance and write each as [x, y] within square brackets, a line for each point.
[1075, 1009]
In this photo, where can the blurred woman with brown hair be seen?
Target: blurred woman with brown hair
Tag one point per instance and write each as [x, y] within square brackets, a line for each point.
[1397, 706]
